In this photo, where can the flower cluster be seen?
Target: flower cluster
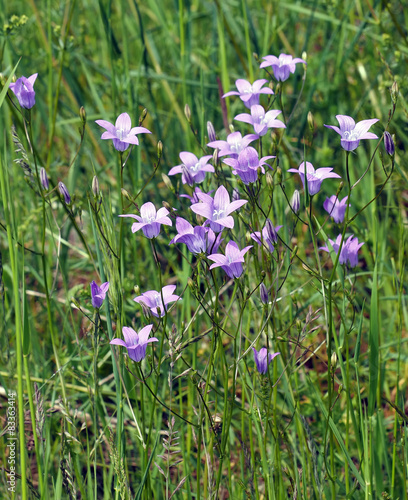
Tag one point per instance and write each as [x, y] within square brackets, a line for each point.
[348, 251]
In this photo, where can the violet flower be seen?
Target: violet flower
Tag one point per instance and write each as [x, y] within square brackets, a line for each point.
[194, 198]
[198, 239]
[351, 134]
[64, 192]
[149, 220]
[262, 359]
[282, 66]
[153, 299]
[195, 167]
[269, 236]
[264, 294]
[335, 208]
[44, 179]
[247, 164]
[389, 143]
[348, 252]
[135, 343]
[261, 120]
[249, 94]
[217, 210]
[23, 89]
[232, 261]
[234, 144]
[98, 293]
[122, 132]
[314, 177]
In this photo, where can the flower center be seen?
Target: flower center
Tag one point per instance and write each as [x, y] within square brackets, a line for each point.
[236, 146]
[157, 299]
[217, 214]
[121, 133]
[196, 167]
[350, 135]
[250, 90]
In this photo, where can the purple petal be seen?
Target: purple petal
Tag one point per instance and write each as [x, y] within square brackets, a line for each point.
[124, 123]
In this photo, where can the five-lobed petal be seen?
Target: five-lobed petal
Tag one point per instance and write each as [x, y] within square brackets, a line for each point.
[352, 133]
[134, 342]
[122, 132]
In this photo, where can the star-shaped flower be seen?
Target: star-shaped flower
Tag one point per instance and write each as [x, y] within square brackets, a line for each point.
[247, 164]
[23, 89]
[234, 144]
[249, 94]
[232, 261]
[217, 210]
[135, 343]
[122, 132]
[262, 359]
[351, 134]
[198, 239]
[149, 220]
[314, 177]
[196, 168]
[98, 293]
[336, 208]
[269, 236]
[153, 299]
[261, 120]
[282, 66]
[348, 252]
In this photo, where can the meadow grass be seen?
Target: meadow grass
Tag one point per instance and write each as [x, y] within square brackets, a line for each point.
[195, 418]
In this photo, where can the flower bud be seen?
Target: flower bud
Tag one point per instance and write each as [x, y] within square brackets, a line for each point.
[235, 195]
[167, 182]
[125, 194]
[295, 201]
[187, 113]
[82, 114]
[310, 120]
[269, 180]
[191, 284]
[279, 175]
[143, 116]
[95, 186]
[159, 149]
[210, 132]
[264, 294]
[64, 192]
[44, 179]
[394, 92]
[389, 143]
[271, 231]
[304, 55]
[187, 175]
[333, 360]
[136, 289]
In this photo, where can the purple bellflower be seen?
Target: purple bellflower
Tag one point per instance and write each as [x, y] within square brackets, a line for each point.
[262, 359]
[282, 66]
[98, 293]
[261, 120]
[389, 143]
[135, 343]
[314, 177]
[153, 300]
[269, 236]
[249, 94]
[149, 220]
[122, 132]
[194, 198]
[234, 144]
[23, 89]
[247, 164]
[335, 208]
[348, 252]
[195, 167]
[44, 179]
[232, 261]
[352, 133]
[217, 210]
[64, 192]
[198, 239]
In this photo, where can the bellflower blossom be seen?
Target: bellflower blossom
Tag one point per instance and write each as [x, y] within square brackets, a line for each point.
[153, 300]
[234, 144]
[249, 94]
[194, 198]
[62, 188]
[198, 239]
[352, 133]
[149, 220]
[23, 88]
[247, 164]
[262, 359]
[282, 66]
[232, 261]
[261, 120]
[135, 343]
[98, 293]
[314, 177]
[217, 210]
[348, 252]
[269, 237]
[122, 132]
[195, 167]
[336, 208]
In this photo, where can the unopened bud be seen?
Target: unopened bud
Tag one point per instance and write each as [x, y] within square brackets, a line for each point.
[167, 206]
[271, 231]
[215, 156]
[333, 360]
[295, 201]
[191, 284]
[310, 120]
[231, 127]
[269, 180]
[136, 289]
[82, 114]
[95, 186]
[75, 302]
[235, 195]
[143, 116]
[187, 177]
[167, 182]
[211, 132]
[389, 143]
[304, 55]
[264, 294]
[146, 310]
[159, 149]
[279, 175]
[44, 179]
[64, 192]
[394, 92]
[125, 194]
[187, 113]
[256, 56]
[294, 252]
